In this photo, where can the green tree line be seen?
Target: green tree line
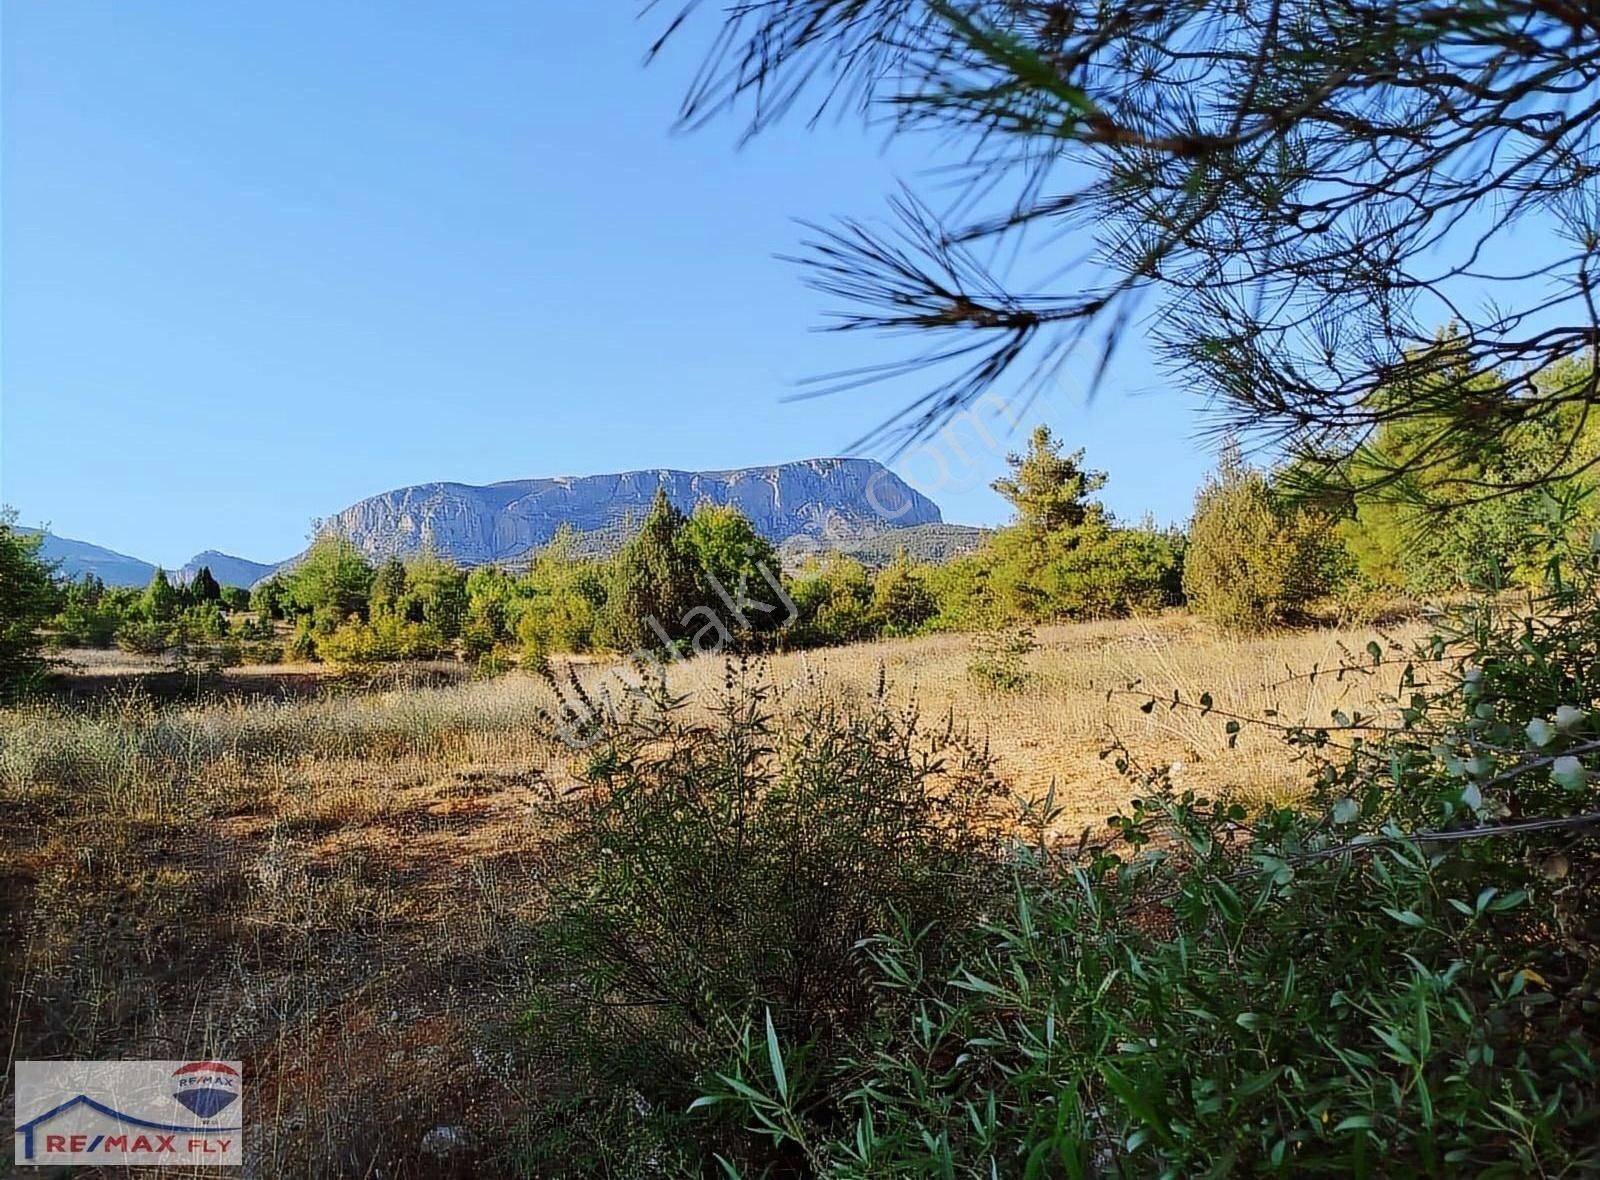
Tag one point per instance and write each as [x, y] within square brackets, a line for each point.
[1263, 548]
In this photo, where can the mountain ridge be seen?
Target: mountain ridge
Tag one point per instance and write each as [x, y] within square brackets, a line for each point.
[854, 505]
[76, 558]
[226, 568]
[827, 499]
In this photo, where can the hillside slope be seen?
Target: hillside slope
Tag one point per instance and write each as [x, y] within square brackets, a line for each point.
[227, 569]
[74, 559]
[936, 543]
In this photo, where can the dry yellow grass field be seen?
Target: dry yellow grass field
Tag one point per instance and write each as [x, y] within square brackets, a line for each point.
[1054, 728]
[331, 886]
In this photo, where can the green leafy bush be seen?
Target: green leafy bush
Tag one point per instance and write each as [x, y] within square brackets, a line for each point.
[902, 603]
[492, 663]
[302, 647]
[477, 640]
[1000, 663]
[568, 619]
[434, 592]
[27, 598]
[144, 637]
[388, 588]
[1113, 572]
[198, 624]
[252, 628]
[1220, 1008]
[714, 868]
[1401, 977]
[385, 639]
[558, 605]
[271, 598]
[90, 613]
[725, 546]
[834, 600]
[1253, 560]
[262, 652]
[965, 592]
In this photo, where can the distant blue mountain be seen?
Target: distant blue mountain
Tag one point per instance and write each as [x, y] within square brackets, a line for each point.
[226, 569]
[73, 559]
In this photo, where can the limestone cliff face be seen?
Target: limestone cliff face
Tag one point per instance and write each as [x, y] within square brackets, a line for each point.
[827, 499]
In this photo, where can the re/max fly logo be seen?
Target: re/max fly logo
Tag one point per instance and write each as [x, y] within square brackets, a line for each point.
[110, 1144]
[129, 1113]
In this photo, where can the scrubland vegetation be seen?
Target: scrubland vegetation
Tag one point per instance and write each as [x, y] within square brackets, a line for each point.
[1004, 866]
[1096, 851]
[850, 912]
[841, 897]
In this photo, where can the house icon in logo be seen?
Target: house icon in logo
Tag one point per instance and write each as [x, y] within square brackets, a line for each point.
[39, 1122]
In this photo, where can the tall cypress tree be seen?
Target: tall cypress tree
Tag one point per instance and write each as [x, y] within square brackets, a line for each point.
[203, 587]
[654, 577]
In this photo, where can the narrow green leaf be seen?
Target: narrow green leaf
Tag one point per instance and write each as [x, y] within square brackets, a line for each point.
[1138, 1105]
[1252, 1086]
[778, 1074]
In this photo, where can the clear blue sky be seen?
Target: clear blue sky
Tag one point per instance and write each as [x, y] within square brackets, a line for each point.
[263, 260]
